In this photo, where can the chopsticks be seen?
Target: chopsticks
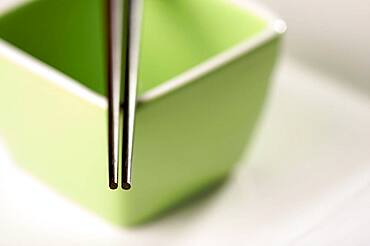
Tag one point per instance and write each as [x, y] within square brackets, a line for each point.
[123, 17]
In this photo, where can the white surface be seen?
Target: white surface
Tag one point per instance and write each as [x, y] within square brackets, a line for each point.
[306, 182]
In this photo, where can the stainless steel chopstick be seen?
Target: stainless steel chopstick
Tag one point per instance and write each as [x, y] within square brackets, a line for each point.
[133, 20]
[123, 17]
[114, 57]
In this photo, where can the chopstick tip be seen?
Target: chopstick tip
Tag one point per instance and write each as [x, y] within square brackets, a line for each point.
[113, 185]
[126, 186]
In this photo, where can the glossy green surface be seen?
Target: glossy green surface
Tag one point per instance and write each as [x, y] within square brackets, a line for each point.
[185, 141]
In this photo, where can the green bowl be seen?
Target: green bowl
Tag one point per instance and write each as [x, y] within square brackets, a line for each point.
[204, 70]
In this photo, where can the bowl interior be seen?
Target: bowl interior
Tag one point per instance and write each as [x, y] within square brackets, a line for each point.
[69, 35]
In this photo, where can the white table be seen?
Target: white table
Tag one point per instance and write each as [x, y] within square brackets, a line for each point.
[306, 181]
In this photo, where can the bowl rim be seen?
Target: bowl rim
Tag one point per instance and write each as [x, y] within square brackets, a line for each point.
[275, 27]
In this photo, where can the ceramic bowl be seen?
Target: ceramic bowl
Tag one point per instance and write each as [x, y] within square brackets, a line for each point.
[204, 71]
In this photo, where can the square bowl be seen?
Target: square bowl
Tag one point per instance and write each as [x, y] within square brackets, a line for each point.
[204, 71]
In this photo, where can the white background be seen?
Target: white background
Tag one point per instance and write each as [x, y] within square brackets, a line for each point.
[330, 35]
[305, 181]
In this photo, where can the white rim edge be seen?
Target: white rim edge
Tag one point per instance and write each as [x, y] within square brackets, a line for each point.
[276, 26]
[8, 5]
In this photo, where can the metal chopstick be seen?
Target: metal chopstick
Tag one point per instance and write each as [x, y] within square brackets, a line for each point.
[133, 16]
[114, 53]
